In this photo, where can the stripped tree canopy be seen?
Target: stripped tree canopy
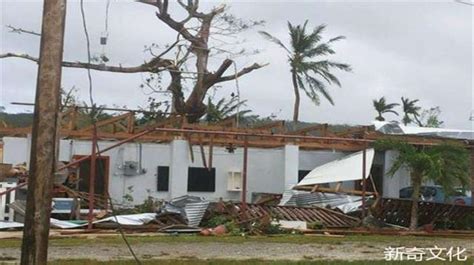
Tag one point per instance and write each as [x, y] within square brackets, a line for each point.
[185, 59]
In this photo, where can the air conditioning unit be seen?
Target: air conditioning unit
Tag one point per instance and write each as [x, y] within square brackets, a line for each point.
[234, 181]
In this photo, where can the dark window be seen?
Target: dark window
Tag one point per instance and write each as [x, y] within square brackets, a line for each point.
[163, 179]
[302, 174]
[201, 179]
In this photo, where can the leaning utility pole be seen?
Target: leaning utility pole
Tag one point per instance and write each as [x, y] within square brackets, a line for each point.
[34, 249]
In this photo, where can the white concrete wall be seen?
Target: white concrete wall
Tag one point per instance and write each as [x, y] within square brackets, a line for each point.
[311, 159]
[291, 165]
[393, 184]
[269, 170]
[15, 150]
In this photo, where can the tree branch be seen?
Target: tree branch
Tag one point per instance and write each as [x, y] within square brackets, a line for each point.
[20, 30]
[163, 15]
[224, 66]
[242, 72]
[154, 66]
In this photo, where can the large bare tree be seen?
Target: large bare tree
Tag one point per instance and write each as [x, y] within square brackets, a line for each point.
[190, 58]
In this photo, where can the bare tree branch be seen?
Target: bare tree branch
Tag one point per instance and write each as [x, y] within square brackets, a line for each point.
[197, 49]
[155, 65]
[20, 30]
[242, 72]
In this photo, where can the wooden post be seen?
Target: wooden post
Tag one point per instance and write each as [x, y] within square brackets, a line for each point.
[472, 177]
[211, 147]
[34, 249]
[131, 122]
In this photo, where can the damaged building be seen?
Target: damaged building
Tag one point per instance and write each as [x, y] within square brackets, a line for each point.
[171, 163]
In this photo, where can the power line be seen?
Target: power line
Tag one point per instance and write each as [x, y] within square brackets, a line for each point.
[93, 120]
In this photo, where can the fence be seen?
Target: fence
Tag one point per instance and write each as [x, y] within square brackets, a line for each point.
[6, 213]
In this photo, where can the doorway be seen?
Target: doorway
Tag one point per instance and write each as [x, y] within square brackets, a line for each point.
[101, 182]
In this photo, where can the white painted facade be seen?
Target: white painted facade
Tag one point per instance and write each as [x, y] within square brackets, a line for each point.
[269, 170]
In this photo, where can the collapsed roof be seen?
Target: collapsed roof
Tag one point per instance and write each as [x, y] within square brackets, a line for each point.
[396, 128]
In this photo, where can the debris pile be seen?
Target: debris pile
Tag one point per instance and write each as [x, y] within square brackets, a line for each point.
[244, 213]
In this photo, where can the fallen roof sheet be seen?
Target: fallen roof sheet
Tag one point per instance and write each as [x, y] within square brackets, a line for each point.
[343, 169]
[192, 208]
[130, 219]
[396, 128]
[9, 225]
[345, 203]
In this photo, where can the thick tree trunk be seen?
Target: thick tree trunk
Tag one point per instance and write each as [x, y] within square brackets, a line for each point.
[380, 117]
[296, 109]
[416, 184]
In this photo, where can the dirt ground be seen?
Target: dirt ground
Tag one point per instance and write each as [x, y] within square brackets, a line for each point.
[349, 248]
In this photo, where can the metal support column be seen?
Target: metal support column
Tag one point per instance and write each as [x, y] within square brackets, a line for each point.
[244, 175]
[364, 182]
[92, 173]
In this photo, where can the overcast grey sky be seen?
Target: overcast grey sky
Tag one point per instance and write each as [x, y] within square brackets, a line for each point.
[415, 49]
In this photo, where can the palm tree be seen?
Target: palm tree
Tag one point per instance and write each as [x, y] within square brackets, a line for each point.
[224, 109]
[307, 73]
[382, 107]
[445, 164]
[410, 109]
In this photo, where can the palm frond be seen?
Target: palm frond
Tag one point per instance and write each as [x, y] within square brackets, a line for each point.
[340, 66]
[320, 50]
[273, 39]
[391, 111]
[392, 105]
[318, 86]
[310, 93]
[338, 38]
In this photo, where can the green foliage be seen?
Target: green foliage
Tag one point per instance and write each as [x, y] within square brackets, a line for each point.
[155, 111]
[316, 225]
[68, 98]
[411, 111]
[127, 197]
[272, 229]
[382, 107]
[467, 223]
[224, 109]
[215, 221]
[310, 69]
[233, 229]
[16, 120]
[149, 205]
[446, 164]
[430, 118]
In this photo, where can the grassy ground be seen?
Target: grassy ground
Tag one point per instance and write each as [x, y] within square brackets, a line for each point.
[176, 239]
[149, 253]
[246, 262]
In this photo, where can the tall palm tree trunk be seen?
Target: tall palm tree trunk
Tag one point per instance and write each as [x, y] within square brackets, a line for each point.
[296, 109]
[416, 183]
